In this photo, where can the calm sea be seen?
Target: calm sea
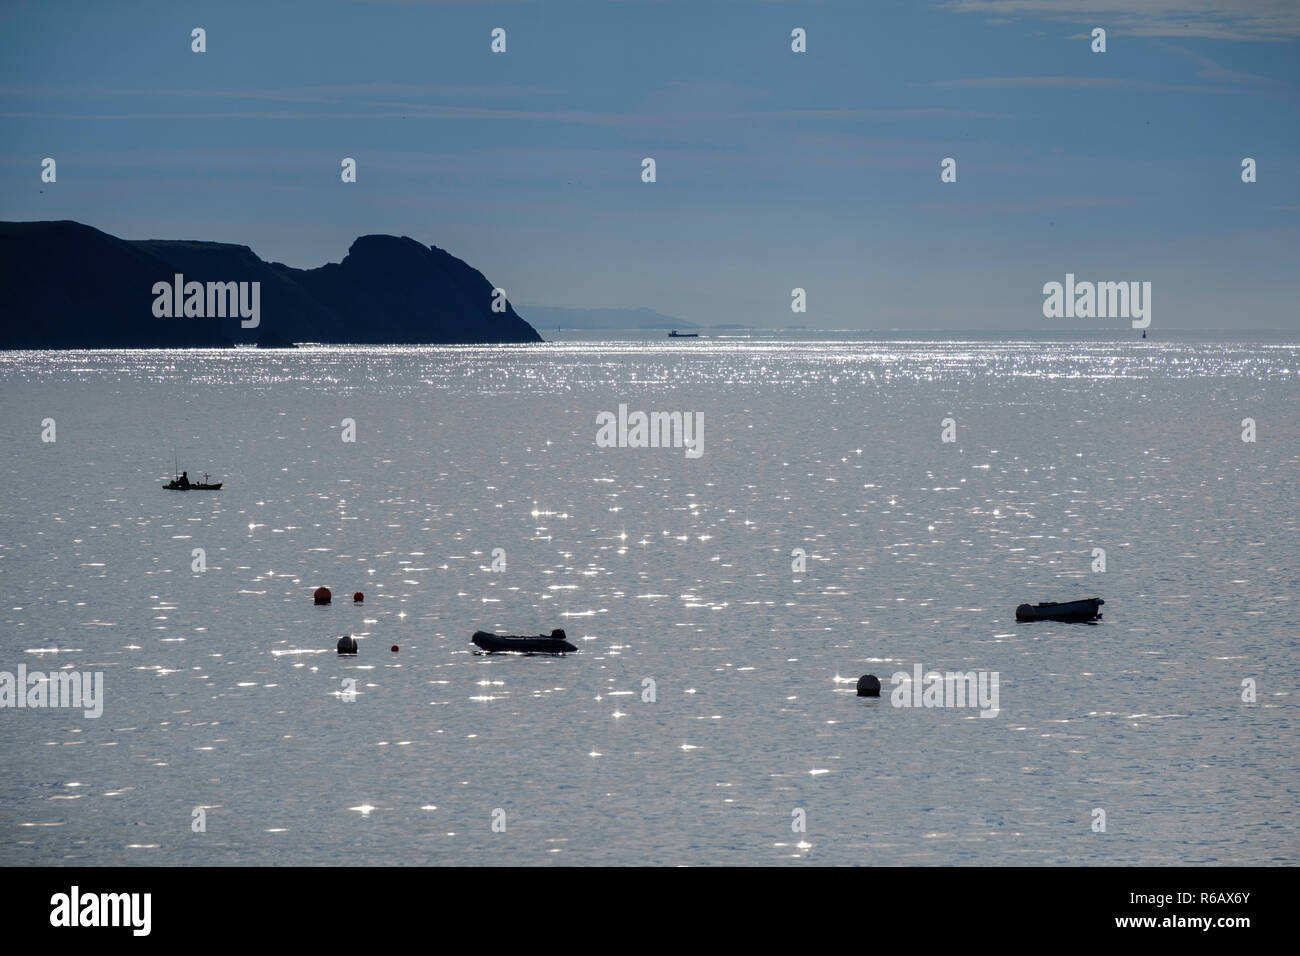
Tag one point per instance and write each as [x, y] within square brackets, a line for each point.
[710, 716]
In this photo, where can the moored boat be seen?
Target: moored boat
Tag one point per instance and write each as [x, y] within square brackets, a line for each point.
[541, 644]
[1085, 610]
[182, 483]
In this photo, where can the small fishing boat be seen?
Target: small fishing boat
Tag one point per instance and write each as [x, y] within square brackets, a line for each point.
[1085, 610]
[674, 334]
[176, 484]
[554, 644]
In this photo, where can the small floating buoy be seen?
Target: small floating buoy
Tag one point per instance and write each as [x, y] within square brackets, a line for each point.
[347, 644]
[394, 648]
[868, 686]
[322, 595]
[358, 598]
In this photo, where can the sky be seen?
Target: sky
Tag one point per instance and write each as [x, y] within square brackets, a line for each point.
[775, 170]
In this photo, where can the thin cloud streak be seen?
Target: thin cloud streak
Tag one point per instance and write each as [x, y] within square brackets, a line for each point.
[638, 120]
[304, 94]
[1269, 21]
[1120, 84]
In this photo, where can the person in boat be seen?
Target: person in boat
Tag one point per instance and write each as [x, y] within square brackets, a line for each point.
[184, 480]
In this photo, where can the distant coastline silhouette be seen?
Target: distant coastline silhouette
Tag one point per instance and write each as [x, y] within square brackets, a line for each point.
[72, 286]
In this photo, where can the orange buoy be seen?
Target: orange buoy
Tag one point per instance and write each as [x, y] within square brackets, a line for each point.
[394, 648]
[358, 598]
[322, 595]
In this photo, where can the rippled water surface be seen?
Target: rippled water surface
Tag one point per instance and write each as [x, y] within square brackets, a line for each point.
[223, 691]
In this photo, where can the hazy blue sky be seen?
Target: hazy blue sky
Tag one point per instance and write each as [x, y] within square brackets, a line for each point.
[775, 169]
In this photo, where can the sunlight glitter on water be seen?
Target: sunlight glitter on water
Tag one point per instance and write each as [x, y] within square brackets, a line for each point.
[917, 552]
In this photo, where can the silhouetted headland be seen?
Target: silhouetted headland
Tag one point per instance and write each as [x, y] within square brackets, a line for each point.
[69, 285]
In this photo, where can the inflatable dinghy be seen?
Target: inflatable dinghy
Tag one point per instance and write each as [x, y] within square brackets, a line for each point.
[1085, 610]
[554, 644]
